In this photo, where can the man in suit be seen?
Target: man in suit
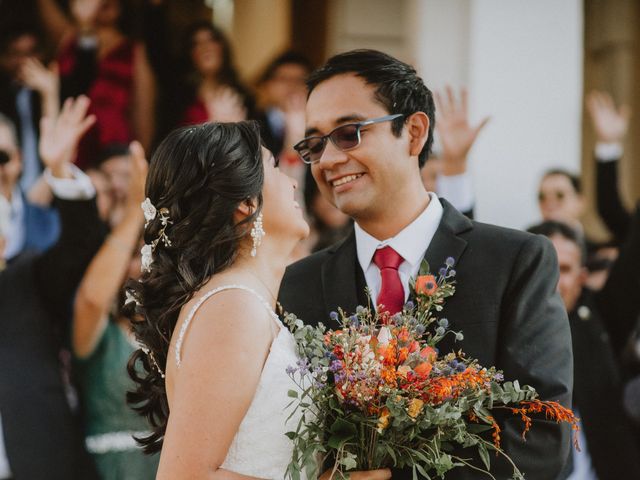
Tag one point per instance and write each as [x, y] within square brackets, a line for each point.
[39, 437]
[505, 303]
[29, 226]
[606, 430]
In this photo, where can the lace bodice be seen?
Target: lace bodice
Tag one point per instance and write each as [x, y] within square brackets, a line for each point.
[260, 447]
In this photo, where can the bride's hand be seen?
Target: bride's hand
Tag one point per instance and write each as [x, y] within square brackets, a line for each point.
[382, 474]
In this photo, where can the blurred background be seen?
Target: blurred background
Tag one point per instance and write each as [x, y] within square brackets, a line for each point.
[525, 64]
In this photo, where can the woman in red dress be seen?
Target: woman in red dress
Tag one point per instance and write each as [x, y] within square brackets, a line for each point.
[212, 89]
[97, 59]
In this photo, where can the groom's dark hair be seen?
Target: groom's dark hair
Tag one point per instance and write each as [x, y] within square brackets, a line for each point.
[398, 87]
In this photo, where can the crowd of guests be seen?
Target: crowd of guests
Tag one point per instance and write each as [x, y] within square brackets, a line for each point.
[74, 129]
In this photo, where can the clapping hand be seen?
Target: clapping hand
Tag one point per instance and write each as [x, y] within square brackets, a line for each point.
[59, 136]
[456, 134]
[610, 123]
[225, 105]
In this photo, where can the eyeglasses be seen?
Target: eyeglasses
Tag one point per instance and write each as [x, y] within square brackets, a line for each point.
[345, 137]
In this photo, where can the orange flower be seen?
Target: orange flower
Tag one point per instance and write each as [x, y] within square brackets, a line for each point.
[423, 370]
[413, 346]
[403, 353]
[426, 285]
[403, 335]
[429, 354]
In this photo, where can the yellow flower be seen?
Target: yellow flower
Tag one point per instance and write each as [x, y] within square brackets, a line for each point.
[383, 420]
[415, 407]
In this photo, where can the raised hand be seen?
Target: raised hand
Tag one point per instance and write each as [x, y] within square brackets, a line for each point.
[44, 80]
[294, 116]
[610, 123]
[37, 77]
[456, 134]
[225, 105]
[59, 136]
[139, 167]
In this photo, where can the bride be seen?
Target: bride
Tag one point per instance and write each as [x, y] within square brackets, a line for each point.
[221, 225]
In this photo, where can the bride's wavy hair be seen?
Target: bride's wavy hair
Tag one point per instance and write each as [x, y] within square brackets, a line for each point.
[200, 174]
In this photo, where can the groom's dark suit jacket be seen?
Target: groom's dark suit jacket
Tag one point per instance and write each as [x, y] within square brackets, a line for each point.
[505, 304]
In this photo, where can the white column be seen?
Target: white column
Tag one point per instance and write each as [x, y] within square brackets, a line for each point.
[525, 71]
[522, 63]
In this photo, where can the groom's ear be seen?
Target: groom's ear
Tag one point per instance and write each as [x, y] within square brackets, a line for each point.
[418, 127]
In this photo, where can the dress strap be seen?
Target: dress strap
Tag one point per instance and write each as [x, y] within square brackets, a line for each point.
[204, 298]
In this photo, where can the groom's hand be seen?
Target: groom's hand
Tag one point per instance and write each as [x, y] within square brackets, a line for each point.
[382, 474]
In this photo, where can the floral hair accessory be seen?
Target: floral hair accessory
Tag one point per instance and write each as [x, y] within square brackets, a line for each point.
[130, 298]
[150, 213]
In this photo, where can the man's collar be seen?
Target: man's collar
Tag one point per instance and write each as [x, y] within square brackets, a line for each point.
[411, 242]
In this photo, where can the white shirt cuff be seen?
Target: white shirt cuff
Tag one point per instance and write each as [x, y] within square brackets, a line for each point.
[457, 189]
[77, 188]
[608, 152]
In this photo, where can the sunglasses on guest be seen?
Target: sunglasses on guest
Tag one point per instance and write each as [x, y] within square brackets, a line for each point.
[345, 137]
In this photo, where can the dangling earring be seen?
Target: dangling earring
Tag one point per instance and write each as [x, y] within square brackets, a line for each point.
[257, 232]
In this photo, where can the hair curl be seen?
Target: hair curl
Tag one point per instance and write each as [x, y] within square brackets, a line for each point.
[200, 174]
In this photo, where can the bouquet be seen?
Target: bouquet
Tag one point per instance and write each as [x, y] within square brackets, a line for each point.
[377, 393]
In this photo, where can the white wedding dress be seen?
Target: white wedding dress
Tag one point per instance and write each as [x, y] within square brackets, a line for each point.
[260, 447]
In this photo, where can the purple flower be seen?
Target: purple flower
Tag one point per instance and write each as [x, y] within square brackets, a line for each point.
[291, 370]
[442, 272]
[452, 273]
[303, 366]
[450, 262]
[335, 366]
[409, 305]
[333, 316]
[420, 329]
[443, 322]
[498, 377]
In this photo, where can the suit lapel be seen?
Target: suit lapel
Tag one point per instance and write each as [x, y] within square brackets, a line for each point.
[446, 242]
[341, 277]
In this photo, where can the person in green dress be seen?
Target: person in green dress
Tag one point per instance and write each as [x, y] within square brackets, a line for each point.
[102, 344]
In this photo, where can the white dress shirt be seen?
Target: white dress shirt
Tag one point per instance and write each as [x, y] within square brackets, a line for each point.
[16, 230]
[411, 243]
[77, 188]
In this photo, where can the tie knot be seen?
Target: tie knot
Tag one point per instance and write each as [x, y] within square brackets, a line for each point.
[387, 257]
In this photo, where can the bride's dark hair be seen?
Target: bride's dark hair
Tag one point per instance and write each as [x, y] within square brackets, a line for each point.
[200, 174]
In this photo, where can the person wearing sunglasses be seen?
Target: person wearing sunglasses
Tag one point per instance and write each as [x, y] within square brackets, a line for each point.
[369, 129]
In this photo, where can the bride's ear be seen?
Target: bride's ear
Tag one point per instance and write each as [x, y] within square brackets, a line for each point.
[244, 209]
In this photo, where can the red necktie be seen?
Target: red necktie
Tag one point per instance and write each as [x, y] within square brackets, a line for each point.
[391, 291]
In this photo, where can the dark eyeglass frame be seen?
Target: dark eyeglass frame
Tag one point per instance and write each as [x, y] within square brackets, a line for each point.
[302, 144]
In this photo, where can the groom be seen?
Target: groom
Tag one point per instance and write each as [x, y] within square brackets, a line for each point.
[505, 301]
